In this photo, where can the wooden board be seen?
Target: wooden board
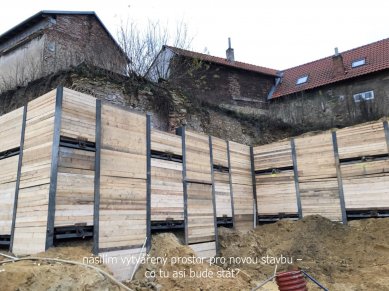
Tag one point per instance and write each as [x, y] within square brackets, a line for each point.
[219, 152]
[75, 187]
[321, 197]
[8, 173]
[362, 140]
[240, 164]
[78, 115]
[7, 197]
[10, 129]
[167, 202]
[273, 156]
[362, 168]
[315, 157]
[317, 176]
[367, 192]
[198, 163]
[166, 142]
[121, 262]
[242, 187]
[32, 210]
[122, 217]
[201, 227]
[243, 207]
[122, 212]
[123, 130]
[276, 193]
[222, 194]
[204, 250]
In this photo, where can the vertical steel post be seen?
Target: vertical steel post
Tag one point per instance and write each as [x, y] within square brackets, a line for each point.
[255, 202]
[96, 209]
[148, 191]
[231, 188]
[181, 131]
[296, 178]
[54, 168]
[213, 194]
[339, 177]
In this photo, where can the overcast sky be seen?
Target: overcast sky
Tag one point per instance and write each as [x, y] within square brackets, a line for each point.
[276, 34]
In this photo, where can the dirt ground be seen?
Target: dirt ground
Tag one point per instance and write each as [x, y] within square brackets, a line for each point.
[353, 257]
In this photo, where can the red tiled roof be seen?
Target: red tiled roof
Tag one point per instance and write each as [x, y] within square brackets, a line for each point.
[321, 72]
[221, 61]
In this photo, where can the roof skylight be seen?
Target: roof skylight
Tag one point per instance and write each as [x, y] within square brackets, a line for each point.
[358, 63]
[302, 80]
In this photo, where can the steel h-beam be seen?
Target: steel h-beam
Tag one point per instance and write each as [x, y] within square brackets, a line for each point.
[148, 182]
[296, 178]
[96, 209]
[254, 185]
[213, 194]
[181, 131]
[339, 177]
[54, 168]
[231, 188]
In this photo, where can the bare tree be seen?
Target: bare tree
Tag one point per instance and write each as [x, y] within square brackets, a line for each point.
[143, 45]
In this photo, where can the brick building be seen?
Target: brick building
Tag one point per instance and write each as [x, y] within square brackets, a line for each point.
[50, 41]
[214, 79]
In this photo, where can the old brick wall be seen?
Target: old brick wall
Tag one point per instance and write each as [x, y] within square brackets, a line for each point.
[333, 105]
[220, 84]
[78, 38]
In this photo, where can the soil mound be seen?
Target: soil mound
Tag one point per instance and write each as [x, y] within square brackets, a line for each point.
[342, 257]
[42, 275]
[168, 246]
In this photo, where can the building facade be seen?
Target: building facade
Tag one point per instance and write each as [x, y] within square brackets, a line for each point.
[336, 91]
[213, 79]
[51, 41]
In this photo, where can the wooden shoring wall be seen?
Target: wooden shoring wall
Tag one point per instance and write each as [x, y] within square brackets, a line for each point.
[242, 186]
[318, 176]
[199, 207]
[221, 178]
[75, 184]
[121, 200]
[10, 145]
[167, 197]
[274, 173]
[364, 164]
[33, 230]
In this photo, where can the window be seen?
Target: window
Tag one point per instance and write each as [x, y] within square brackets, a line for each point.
[364, 96]
[358, 63]
[302, 80]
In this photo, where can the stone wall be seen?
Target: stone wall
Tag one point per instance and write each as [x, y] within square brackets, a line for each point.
[220, 84]
[170, 107]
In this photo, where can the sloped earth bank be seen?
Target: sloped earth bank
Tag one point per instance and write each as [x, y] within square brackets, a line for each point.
[352, 257]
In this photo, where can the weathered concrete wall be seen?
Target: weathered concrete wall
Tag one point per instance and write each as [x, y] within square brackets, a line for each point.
[333, 105]
[20, 66]
[220, 84]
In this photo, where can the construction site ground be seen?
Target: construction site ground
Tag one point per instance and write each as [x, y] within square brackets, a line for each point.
[341, 257]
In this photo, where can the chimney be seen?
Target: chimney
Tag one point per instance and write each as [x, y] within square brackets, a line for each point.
[337, 64]
[230, 52]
